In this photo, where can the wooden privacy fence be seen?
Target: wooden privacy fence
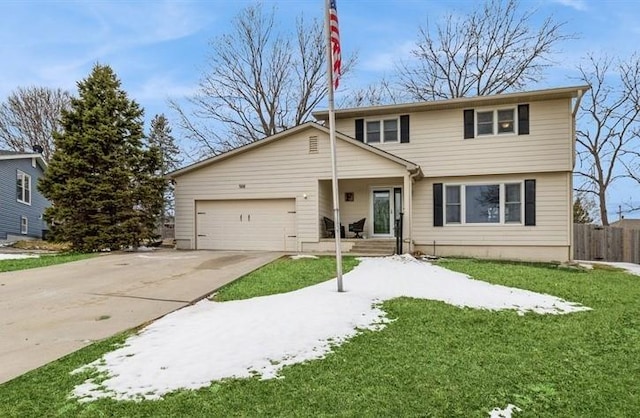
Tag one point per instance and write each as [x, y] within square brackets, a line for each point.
[606, 243]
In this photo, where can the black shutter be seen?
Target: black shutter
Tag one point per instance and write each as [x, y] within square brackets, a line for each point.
[360, 130]
[404, 129]
[469, 127]
[529, 202]
[438, 212]
[523, 119]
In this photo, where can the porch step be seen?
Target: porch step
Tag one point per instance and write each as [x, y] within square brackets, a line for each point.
[374, 247]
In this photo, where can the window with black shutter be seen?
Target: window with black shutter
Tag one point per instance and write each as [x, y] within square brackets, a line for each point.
[404, 129]
[360, 130]
[437, 204]
[530, 202]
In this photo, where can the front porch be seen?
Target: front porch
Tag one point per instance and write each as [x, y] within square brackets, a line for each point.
[379, 201]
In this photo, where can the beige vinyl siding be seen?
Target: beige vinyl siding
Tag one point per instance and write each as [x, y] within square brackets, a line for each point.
[438, 146]
[553, 215]
[282, 169]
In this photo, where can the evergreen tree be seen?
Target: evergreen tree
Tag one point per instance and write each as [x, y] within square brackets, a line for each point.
[101, 179]
[160, 137]
[581, 212]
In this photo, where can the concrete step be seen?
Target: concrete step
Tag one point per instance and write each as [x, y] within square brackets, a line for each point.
[373, 247]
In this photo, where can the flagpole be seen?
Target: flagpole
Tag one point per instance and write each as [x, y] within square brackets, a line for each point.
[332, 140]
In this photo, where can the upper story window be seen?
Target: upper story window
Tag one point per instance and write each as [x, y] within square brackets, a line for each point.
[23, 188]
[385, 130]
[499, 121]
[513, 120]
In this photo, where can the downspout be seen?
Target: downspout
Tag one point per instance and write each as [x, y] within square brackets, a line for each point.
[576, 107]
[412, 179]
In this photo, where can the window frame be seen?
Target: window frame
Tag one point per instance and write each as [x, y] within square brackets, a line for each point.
[495, 125]
[463, 204]
[24, 225]
[382, 131]
[21, 175]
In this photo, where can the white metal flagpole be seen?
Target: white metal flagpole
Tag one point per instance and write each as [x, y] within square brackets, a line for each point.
[333, 45]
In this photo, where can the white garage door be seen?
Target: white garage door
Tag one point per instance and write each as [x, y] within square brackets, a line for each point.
[246, 225]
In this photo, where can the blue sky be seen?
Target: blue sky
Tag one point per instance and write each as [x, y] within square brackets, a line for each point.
[159, 48]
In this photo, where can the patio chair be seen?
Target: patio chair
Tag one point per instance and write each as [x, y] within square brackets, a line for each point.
[329, 228]
[357, 227]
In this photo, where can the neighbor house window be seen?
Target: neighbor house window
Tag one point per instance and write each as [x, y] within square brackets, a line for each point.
[23, 188]
[483, 203]
[501, 121]
[24, 225]
[385, 130]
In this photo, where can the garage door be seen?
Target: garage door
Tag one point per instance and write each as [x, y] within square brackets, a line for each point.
[267, 225]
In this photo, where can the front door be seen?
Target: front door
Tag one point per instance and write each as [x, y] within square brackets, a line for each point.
[382, 212]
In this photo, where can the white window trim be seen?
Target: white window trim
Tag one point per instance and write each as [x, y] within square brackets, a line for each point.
[24, 225]
[463, 206]
[25, 176]
[495, 121]
[382, 139]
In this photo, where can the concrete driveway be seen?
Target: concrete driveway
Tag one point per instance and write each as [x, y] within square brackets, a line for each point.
[49, 312]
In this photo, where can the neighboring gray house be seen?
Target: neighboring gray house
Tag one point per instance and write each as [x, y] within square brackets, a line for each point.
[21, 204]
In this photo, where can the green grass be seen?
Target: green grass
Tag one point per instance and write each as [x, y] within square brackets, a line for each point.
[42, 261]
[434, 360]
[283, 275]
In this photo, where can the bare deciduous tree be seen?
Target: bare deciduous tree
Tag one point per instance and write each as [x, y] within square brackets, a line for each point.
[377, 93]
[29, 117]
[259, 82]
[608, 134]
[494, 49]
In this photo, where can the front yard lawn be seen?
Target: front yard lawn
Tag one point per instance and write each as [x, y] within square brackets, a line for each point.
[434, 359]
[42, 261]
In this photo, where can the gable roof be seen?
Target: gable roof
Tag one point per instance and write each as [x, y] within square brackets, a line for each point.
[284, 134]
[457, 103]
[627, 223]
[17, 155]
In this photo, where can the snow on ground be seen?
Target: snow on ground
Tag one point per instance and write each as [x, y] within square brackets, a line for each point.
[210, 341]
[629, 267]
[17, 256]
[504, 413]
[300, 256]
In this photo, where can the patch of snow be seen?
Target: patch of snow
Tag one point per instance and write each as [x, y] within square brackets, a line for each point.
[301, 256]
[17, 256]
[209, 341]
[629, 267]
[504, 413]
[140, 249]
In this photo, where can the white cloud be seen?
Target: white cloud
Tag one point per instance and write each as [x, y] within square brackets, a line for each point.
[580, 5]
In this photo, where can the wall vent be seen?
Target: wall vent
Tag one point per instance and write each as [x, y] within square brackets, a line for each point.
[313, 145]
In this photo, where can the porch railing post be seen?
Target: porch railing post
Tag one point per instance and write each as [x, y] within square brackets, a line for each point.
[398, 233]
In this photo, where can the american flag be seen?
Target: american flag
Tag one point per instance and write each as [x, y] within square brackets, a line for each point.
[335, 43]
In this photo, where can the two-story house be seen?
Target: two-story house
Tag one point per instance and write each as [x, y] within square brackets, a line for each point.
[21, 204]
[486, 176]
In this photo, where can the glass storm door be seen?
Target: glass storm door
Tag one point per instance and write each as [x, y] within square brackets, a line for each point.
[382, 213]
